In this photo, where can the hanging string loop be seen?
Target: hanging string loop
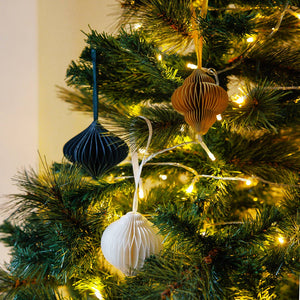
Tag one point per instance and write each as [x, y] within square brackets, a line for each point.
[137, 169]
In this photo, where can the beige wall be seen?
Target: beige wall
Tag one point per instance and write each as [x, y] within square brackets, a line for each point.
[19, 94]
[38, 39]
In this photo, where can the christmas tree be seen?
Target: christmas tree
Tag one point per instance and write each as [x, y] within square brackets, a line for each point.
[202, 97]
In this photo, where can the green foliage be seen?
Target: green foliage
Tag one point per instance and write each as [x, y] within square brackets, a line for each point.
[166, 23]
[59, 239]
[165, 122]
[261, 110]
[280, 65]
[126, 61]
[225, 239]
[268, 156]
[221, 32]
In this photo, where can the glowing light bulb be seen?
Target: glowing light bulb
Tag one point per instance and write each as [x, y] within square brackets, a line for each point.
[163, 177]
[182, 128]
[248, 182]
[240, 100]
[190, 188]
[137, 26]
[98, 294]
[141, 193]
[250, 39]
[297, 16]
[281, 240]
[191, 66]
[219, 117]
[142, 151]
[159, 57]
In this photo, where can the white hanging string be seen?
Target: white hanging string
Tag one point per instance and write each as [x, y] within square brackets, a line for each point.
[137, 169]
[203, 145]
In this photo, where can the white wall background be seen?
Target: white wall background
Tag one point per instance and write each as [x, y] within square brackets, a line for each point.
[38, 39]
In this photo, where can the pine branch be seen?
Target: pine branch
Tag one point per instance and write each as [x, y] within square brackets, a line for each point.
[288, 31]
[168, 23]
[82, 100]
[260, 111]
[175, 222]
[172, 275]
[165, 121]
[291, 200]
[61, 238]
[275, 163]
[277, 64]
[222, 34]
[13, 287]
[129, 71]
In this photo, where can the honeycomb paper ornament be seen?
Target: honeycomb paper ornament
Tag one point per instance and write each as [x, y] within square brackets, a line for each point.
[95, 148]
[127, 242]
[200, 100]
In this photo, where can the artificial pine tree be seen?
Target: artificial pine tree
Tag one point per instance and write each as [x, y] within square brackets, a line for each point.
[230, 226]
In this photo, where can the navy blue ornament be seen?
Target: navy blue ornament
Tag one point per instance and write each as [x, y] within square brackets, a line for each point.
[95, 148]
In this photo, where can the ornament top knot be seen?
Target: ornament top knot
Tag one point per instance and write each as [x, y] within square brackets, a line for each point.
[200, 100]
[126, 242]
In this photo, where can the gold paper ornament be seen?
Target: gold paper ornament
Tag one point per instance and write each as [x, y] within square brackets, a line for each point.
[200, 100]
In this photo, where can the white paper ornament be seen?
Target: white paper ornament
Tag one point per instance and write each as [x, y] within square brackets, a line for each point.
[128, 241]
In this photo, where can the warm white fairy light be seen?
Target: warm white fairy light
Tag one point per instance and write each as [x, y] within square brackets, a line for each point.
[159, 57]
[240, 100]
[281, 240]
[219, 117]
[137, 26]
[191, 66]
[163, 177]
[248, 182]
[98, 294]
[250, 39]
[190, 188]
[142, 151]
[141, 193]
